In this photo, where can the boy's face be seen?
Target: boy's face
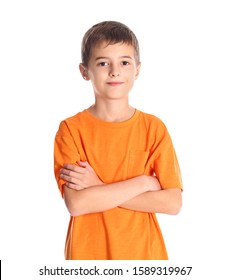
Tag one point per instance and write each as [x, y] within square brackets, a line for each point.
[112, 70]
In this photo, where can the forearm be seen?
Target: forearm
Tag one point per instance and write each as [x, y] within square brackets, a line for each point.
[168, 201]
[104, 197]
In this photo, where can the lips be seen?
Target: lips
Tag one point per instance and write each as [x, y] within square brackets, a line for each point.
[115, 83]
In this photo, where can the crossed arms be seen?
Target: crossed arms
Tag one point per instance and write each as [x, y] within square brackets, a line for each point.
[85, 193]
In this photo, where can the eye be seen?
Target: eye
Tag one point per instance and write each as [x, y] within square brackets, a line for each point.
[103, 63]
[125, 63]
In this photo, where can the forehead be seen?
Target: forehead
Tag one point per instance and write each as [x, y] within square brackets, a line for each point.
[105, 49]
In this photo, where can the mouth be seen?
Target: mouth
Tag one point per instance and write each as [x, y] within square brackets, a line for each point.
[114, 84]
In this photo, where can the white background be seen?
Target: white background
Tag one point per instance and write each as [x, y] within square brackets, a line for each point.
[184, 80]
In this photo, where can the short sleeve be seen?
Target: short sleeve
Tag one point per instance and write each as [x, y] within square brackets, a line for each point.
[65, 151]
[165, 165]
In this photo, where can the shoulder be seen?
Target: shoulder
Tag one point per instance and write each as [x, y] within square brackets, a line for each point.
[71, 122]
[154, 126]
[74, 119]
[152, 120]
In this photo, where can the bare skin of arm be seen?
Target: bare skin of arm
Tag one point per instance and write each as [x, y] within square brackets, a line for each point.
[85, 193]
[167, 201]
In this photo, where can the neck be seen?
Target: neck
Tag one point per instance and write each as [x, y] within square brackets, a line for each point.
[112, 112]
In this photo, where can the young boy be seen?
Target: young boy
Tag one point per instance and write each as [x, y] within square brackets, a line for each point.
[115, 165]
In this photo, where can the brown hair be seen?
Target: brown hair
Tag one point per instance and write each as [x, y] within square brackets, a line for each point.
[111, 32]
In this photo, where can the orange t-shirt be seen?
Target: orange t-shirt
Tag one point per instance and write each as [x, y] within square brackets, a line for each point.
[117, 151]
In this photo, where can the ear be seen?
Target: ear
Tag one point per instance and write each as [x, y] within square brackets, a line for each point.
[83, 71]
[138, 70]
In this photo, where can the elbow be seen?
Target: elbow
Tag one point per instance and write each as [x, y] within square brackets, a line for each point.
[176, 207]
[72, 210]
[175, 210]
[75, 206]
[75, 210]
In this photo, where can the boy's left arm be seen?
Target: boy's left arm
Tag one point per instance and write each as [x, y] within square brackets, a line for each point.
[167, 201]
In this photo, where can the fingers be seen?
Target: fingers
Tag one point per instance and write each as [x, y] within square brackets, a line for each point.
[74, 168]
[70, 179]
[73, 175]
[79, 177]
[73, 186]
[85, 165]
[80, 168]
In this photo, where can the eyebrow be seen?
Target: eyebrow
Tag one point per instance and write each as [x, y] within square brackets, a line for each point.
[104, 57]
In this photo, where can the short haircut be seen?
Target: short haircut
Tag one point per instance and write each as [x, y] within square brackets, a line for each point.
[111, 32]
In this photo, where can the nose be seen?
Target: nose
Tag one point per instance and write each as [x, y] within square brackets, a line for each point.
[114, 71]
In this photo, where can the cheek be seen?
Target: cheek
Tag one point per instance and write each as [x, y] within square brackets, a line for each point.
[133, 76]
[97, 81]
[97, 74]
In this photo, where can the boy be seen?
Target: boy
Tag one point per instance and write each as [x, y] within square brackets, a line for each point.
[115, 165]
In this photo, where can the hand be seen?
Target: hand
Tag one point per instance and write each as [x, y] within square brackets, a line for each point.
[153, 183]
[79, 177]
